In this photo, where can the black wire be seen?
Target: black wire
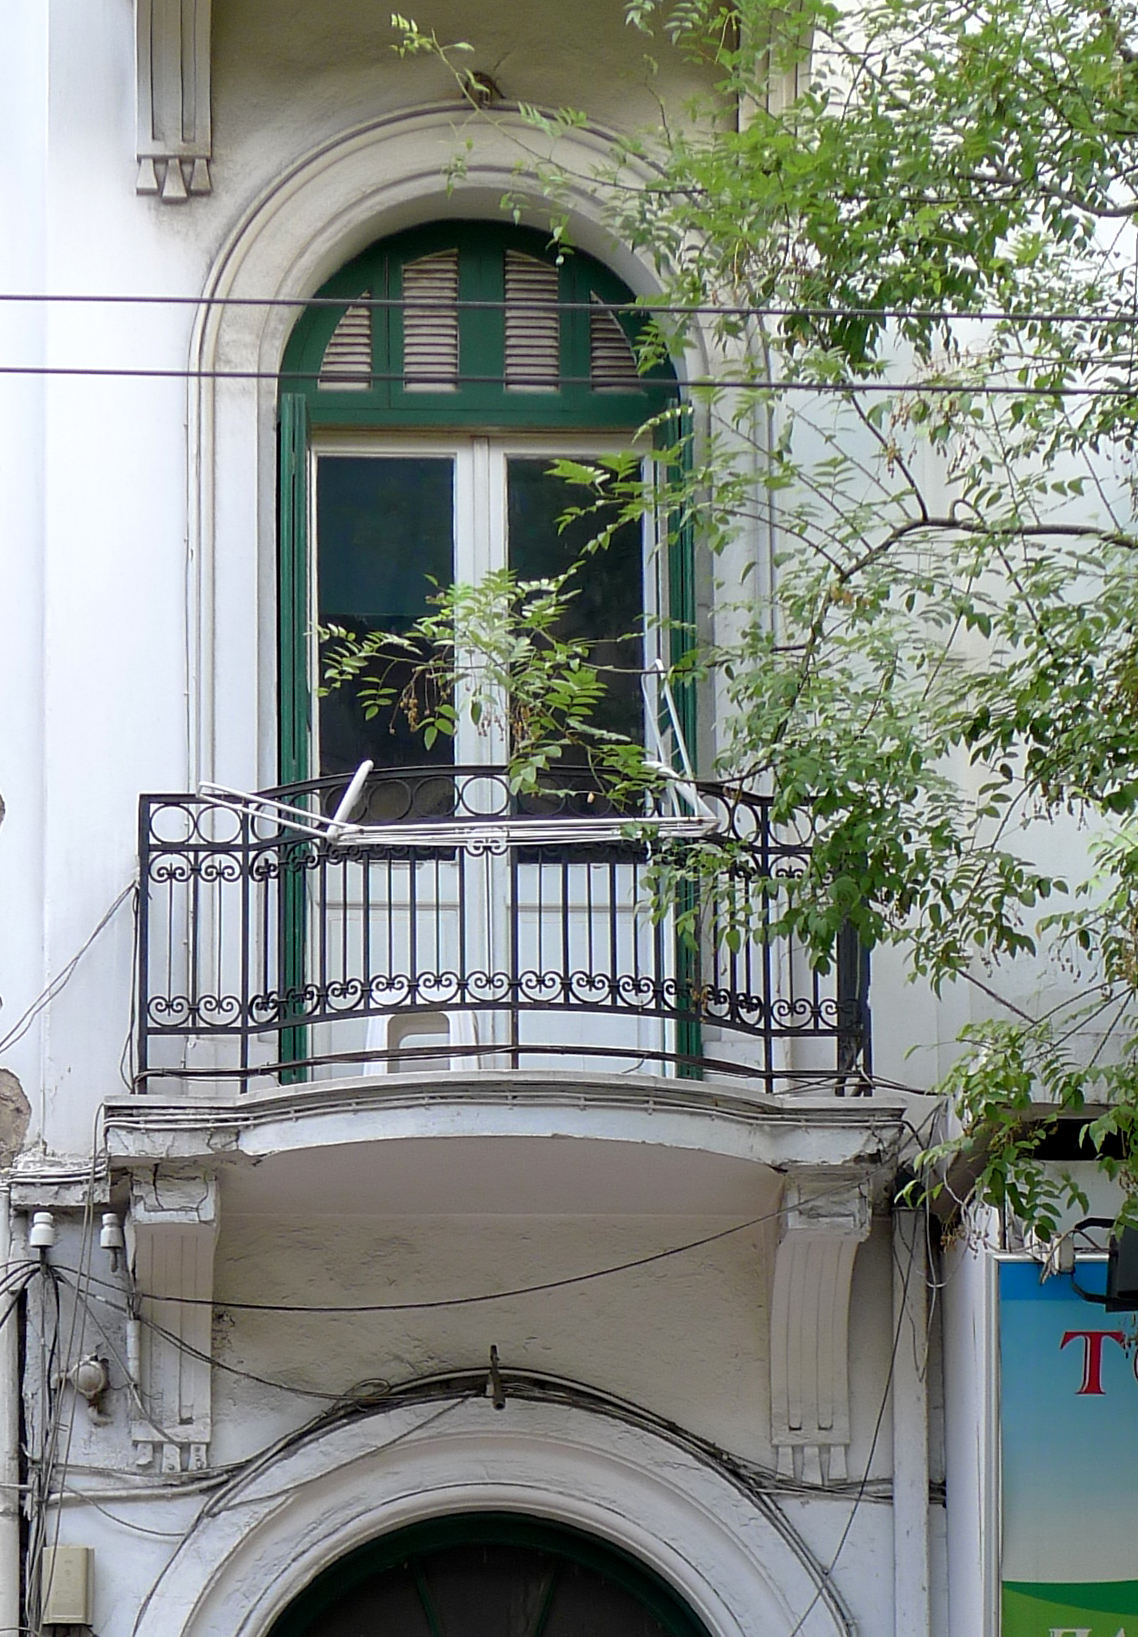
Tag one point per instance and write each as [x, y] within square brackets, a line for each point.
[646, 307]
[644, 383]
[472, 1301]
[15, 1302]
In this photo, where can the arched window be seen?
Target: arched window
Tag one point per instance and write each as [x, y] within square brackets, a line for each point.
[423, 399]
[488, 1576]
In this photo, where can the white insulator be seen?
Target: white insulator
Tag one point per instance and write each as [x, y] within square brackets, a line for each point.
[111, 1234]
[42, 1236]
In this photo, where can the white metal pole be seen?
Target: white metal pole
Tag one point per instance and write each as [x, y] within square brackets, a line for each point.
[9, 1441]
[910, 1427]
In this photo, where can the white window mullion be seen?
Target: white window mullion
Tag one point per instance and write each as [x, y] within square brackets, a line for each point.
[479, 548]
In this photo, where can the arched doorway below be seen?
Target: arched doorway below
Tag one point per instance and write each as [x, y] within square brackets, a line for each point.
[488, 1575]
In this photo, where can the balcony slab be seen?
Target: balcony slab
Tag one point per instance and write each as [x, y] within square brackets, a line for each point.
[507, 1141]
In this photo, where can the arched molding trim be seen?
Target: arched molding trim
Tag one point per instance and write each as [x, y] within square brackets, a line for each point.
[259, 1542]
[371, 182]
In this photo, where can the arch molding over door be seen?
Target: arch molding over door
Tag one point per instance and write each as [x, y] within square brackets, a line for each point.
[735, 1563]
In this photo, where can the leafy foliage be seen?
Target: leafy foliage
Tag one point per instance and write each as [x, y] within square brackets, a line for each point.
[905, 230]
[491, 652]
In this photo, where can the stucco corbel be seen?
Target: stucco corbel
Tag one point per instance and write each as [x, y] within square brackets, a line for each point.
[172, 1230]
[826, 1218]
[172, 68]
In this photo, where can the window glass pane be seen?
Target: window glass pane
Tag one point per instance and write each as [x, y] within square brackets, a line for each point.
[608, 609]
[586, 1603]
[388, 1607]
[488, 1591]
[385, 533]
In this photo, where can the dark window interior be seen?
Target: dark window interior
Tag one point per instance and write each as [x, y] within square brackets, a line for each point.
[489, 1591]
[607, 608]
[386, 533]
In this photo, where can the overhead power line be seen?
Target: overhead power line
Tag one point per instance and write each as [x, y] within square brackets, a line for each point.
[644, 309]
[645, 383]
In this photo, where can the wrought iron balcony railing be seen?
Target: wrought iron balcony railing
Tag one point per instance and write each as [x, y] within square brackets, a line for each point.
[458, 925]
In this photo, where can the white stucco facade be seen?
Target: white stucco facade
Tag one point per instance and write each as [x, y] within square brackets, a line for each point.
[701, 1316]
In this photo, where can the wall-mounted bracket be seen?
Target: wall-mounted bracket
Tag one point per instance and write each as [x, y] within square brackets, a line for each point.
[171, 1232]
[827, 1217]
[172, 69]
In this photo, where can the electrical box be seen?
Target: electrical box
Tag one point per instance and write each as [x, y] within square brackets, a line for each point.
[67, 1581]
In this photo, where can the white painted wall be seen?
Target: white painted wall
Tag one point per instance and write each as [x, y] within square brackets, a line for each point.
[687, 1339]
[116, 630]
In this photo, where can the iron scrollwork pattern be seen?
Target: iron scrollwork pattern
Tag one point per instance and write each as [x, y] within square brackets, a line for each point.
[264, 951]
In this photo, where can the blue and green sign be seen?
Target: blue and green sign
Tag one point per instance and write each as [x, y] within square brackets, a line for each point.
[1069, 1457]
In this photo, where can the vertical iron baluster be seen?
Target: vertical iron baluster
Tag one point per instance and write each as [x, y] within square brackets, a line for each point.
[539, 923]
[264, 878]
[246, 824]
[320, 1000]
[344, 866]
[390, 919]
[659, 970]
[192, 935]
[365, 931]
[768, 986]
[588, 867]
[143, 979]
[413, 935]
[566, 952]
[174, 892]
[460, 864]
[614, 947]
[514, 952]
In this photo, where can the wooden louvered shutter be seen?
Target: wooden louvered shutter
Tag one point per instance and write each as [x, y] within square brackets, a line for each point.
[612, 362]
[346, 365]
[533, 323]
[430, 323]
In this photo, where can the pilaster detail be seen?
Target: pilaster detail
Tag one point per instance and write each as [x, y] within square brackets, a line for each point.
[172, 1230]
[172, 71]
[826, 1218]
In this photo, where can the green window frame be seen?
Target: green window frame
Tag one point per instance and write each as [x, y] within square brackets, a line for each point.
[480, 401]
[414, 1545]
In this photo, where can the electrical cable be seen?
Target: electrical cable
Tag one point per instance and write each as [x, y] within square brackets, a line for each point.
[14, 1303]
[398, 1439]
[129, 1386]
[53, 1466]
[190, 1351]
[39, 1465]
[124, 1523]
[648, 308]
[703, 383]
[127, 1305]
[23, 1023]
[490, 1296]
[126, 1056]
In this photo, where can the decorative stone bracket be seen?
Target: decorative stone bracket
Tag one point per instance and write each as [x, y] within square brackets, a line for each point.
[172, 1229]
[172, 64]
[826, 1219]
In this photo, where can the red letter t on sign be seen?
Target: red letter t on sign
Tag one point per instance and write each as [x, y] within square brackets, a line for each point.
[1092, 1354]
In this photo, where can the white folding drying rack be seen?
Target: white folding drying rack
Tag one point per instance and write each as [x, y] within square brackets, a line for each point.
[494, 834]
